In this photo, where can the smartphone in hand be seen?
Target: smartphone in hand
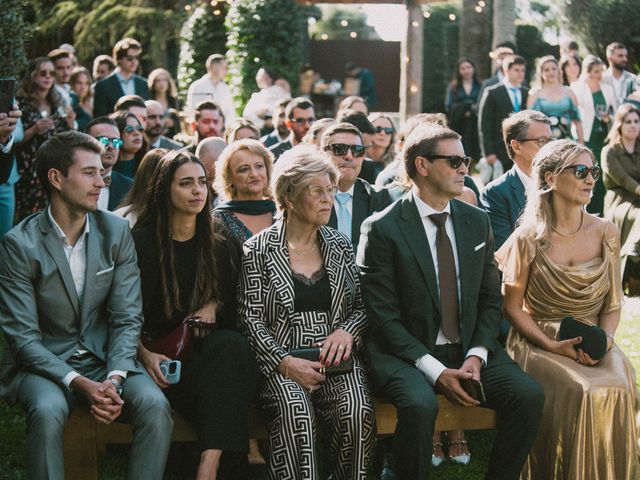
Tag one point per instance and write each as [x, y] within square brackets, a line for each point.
[171, 370]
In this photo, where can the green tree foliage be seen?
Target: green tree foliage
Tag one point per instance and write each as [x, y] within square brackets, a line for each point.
[14, 32]
[202, 35]
[264, 33]
[599, 22]
[333, 25]
[440, 54]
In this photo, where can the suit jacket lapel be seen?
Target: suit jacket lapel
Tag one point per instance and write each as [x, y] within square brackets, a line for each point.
[413, 231]
[278, 260]
[53, 245]
[517, 189]
[360, 210]
[92, 249]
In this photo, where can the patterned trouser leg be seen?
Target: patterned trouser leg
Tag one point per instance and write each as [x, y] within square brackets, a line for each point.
[344, 405]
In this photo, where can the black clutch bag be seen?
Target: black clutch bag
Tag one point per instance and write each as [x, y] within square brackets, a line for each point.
[313, 355]
[594, 339]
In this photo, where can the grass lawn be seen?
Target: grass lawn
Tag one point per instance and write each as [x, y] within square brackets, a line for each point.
[12, 426]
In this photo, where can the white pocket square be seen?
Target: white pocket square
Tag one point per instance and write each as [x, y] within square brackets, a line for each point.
[106, 270]
[478, 247]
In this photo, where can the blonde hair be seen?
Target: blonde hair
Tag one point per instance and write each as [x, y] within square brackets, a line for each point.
[539, 81]
[538, 216]
[294, 169]
[153, 77]
[624, 110]
[239, 124]
[223, 182]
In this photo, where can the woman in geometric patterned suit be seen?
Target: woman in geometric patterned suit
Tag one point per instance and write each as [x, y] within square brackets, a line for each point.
[299, 287]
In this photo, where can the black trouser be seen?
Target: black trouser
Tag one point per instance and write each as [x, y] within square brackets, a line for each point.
[516, 397]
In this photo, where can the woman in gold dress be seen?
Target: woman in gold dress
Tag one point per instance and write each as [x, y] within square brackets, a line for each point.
[562, 261]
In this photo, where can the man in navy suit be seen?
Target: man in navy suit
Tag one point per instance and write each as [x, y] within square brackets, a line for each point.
[123, 81]
[356, 199]
[504, 198]
[497, 102]
[117, 185]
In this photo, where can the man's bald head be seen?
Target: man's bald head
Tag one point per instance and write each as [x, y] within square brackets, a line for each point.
[208, 151]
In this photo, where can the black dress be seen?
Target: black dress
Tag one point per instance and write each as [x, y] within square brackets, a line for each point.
[219, 381]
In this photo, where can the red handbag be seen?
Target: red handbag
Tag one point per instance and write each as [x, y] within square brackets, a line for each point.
[178, 345]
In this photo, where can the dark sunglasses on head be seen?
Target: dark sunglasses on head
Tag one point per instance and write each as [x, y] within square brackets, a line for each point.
[581, 171]
[116, 142]
[341, 149]
[454, 160]
[131, 128]
[300, 121]
[387, 130]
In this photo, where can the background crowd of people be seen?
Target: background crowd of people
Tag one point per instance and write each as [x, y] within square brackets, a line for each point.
[372, 240]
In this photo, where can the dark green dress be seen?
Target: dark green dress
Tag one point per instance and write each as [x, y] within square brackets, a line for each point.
[595, 144]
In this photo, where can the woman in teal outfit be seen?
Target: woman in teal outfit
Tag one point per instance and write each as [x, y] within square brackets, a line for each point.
[596, 103]
[555, 100]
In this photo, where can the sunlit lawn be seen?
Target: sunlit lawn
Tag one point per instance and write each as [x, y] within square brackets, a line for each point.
[12, 427]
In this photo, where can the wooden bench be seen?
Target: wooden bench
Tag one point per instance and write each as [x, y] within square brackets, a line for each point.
[85, 439]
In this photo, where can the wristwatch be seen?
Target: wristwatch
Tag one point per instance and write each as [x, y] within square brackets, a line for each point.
[118, 385]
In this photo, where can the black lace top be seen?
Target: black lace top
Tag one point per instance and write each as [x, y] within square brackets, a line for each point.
[311, 294]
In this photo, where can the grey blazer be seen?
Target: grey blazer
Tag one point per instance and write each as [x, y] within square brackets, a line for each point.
[40, 314]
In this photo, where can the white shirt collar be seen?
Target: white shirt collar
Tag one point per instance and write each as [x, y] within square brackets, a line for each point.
[506, 83]
[424, 210]
[350, 191]
[524, 178]
[61, 233]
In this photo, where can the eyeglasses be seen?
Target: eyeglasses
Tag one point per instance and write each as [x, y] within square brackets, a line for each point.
[341, 149]
[300, 121]
[317, 191]
[131, 128]
[131, 58]
[542, 141]
[116, 142]
[581, 171]
[46, 73]
[454, 160]
[387, 130]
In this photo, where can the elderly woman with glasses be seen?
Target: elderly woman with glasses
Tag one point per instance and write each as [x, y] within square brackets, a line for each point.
[300, 289]
[563, 262]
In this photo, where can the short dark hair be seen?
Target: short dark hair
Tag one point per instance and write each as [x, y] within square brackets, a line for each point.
[344, 127]
[298, 102]
[358, 119]
[104, 60]
[100, 121]
[215, 58]
[58, 53]
[207, 105]
[516, 126]
[128, 101]
[121, 48]
[512, 60]
[57, 152]
[423, 141]
[614, 46]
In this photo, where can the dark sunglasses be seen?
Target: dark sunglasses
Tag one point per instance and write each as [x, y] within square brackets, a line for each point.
[454, 160]
[341, 149]
[300, 121]
[131, 128]
[581, 171]
[116, 142]
[387, 130]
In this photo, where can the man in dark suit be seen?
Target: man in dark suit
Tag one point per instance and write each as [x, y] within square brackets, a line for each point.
[370, 169]
[71, 313]
[299, 118]
[356, 199]
[156, 116]
[497, 55]
[123, 81]
[432, 295]
[504, 198]
[117, 185]
[280, 130]
[497, 102]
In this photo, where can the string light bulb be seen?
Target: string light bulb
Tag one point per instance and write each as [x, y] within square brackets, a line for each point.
[353, 34]
[344, 23]
[452, 17]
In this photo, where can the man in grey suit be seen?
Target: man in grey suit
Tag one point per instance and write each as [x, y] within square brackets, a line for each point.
[71, 313]
[156, 116]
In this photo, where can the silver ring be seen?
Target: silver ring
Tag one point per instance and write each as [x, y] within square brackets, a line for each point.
[340, 347]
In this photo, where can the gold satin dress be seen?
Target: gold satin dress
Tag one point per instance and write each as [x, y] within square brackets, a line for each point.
[590, 423]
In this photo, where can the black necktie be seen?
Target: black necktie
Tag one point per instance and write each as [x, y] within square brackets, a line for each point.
[447, 279]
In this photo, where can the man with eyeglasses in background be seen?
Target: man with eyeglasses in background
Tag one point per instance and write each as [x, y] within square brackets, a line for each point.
[123, 80]
[155, 127]
[356, 198]
[299, 116]
[117, 185]
[431, 290]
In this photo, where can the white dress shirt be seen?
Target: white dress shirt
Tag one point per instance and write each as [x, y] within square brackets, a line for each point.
[103, 199]
[427, 364]
[128, 86]
[204, 89]
[77, 257]
[512, 94]
[524, 178]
